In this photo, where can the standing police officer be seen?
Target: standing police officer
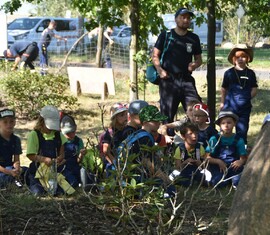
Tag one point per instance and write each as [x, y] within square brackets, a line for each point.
[182, 57]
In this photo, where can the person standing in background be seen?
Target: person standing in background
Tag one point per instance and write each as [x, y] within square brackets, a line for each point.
[107, 42]
[44, 42]
[182, 57]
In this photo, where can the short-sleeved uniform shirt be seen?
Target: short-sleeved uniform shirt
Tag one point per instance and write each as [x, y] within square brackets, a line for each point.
[33, 141]
[180, 51]
[9, 148]
[46, 36]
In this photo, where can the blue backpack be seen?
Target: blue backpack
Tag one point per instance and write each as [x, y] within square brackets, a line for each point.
[124, 148]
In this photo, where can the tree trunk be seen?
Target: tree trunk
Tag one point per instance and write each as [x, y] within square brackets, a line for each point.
[211, 62]
[134, 13]
[99, 47]
[250, 211]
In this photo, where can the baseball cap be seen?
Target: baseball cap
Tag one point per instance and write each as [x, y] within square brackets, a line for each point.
[182, 11]
[226, 113]
[68, 124]
[7, 113]
[151, 113]
[51, 117]
[136, 106]
[117, 108]
[203, 107]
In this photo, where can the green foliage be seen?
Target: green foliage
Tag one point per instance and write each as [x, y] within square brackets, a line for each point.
[28, 92]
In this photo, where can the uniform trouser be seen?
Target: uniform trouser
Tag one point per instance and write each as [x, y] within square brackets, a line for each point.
[175, 90]
[43, 55]
[30, 54]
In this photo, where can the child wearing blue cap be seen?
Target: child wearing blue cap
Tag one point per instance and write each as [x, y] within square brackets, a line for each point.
[226, 152]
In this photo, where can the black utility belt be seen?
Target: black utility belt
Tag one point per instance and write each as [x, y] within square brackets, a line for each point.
[184, 76]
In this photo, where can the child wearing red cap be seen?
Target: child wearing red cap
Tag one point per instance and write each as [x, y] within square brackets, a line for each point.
[201, 118]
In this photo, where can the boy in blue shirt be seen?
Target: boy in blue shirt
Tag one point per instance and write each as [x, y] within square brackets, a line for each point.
[226, 152]
[10, 149]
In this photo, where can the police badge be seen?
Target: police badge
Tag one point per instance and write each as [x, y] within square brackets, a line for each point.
[189, 47]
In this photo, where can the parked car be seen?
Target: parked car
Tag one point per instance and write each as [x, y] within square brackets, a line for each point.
[122, 36]
[201, 31]
[11, 40]
[30, 29]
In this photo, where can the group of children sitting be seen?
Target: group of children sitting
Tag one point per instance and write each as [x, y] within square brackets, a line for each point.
[200, 153]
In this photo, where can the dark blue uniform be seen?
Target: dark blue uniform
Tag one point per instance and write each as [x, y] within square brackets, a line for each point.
[27, 51]
[180, 86]
[238, 98]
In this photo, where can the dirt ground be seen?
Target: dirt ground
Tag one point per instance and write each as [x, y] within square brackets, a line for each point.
[22, 213]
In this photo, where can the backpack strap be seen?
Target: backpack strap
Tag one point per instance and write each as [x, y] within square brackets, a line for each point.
[166, 45]
[183, 151]
[138, 135]
[198, 151]
[57, 138]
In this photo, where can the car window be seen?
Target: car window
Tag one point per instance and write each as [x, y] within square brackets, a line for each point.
[23, 24]
[125, 32]
[65, 25]
[116, 31]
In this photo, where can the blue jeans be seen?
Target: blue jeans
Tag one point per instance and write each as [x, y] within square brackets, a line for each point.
[232, 176]
[6, 179]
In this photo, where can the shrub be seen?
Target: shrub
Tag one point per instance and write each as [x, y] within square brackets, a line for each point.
[28, 92]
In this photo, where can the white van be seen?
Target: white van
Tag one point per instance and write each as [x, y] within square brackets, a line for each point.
[30, 29]
[201, 30]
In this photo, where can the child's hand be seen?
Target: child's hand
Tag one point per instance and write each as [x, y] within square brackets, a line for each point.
[81, 155]
[222, 165]
[237, 164]
[47, 160]
[168, 139]
[60, 160]
[14, 172]
[83, 152]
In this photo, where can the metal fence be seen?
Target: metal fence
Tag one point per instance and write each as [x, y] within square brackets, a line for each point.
[85, 53]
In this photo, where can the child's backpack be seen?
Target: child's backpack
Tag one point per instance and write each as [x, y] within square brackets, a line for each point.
[126, 145]
[184, 153]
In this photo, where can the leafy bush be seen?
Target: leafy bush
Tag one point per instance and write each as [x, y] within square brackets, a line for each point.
[28, 92]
